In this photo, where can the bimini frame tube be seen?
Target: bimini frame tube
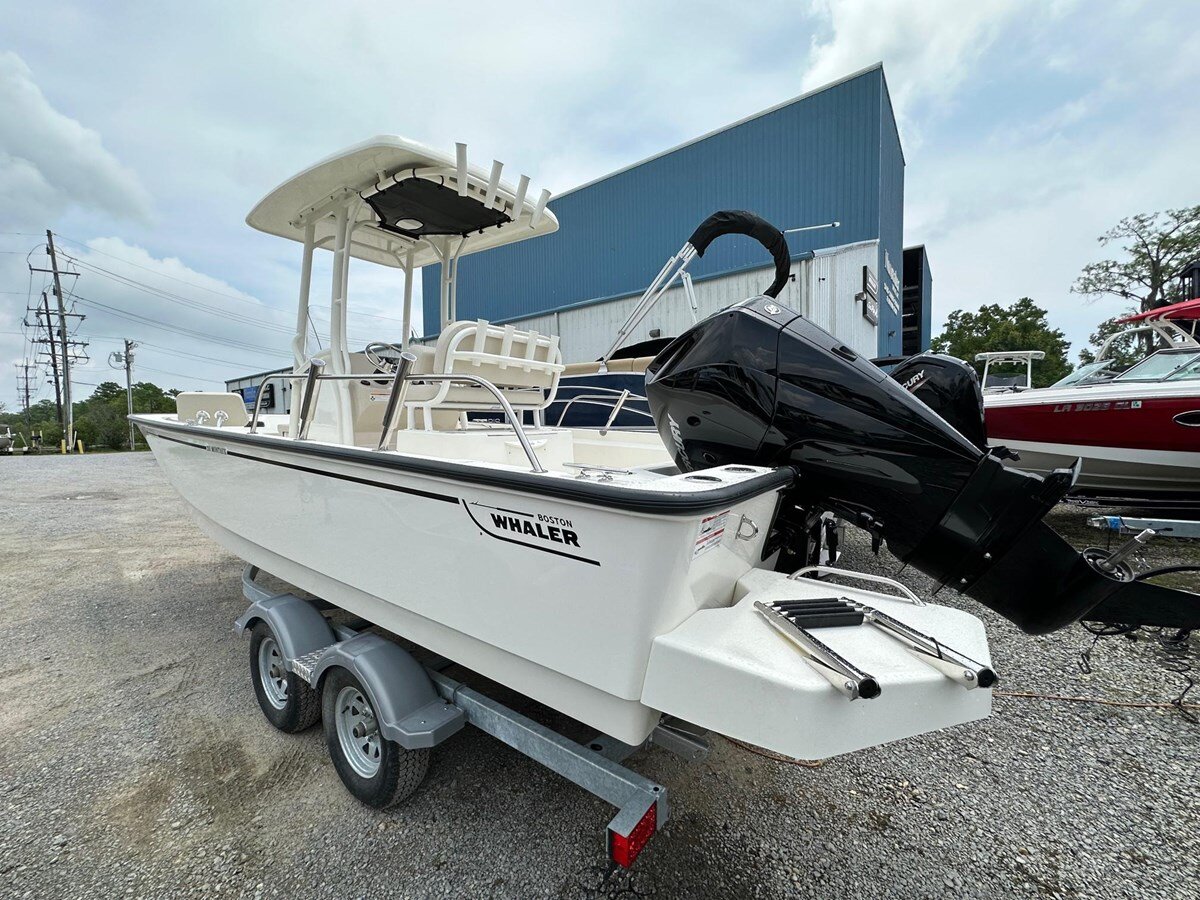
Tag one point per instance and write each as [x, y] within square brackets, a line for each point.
[660, 285]
[449, 280]
[300, 339]
[408, 292]
[339, 353]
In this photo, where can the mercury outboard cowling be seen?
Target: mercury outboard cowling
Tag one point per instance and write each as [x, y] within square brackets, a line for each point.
[759, 384]
[950, 388]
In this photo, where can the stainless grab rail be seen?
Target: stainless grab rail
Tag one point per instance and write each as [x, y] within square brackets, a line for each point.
[861, 576]
[254, 423]
[518, 429]
[603, 400]
[395, 399]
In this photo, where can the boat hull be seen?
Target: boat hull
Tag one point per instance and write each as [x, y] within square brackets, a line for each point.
[1134, 446]
[559, 600]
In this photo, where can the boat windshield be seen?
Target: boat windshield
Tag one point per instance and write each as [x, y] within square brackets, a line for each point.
[1090, 371]
[1177, 365]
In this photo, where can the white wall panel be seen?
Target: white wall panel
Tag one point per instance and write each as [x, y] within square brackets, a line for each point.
[821, 288]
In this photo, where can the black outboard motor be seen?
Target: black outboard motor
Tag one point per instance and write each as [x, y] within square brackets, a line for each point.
[759, 384]
[950, 388]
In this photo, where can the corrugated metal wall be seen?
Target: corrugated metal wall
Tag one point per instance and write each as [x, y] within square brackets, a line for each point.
[822, 288]
[926, 302]
[819, 158]
[891, 229]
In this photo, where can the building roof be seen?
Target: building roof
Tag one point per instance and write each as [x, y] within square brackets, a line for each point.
[729, 127]
[828, 154]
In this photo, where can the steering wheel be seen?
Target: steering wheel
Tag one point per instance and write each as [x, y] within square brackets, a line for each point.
[383, 363]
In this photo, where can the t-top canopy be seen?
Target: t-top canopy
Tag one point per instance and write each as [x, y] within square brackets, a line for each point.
[411, 196]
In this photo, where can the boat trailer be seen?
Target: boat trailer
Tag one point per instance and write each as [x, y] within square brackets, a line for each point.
[417, 705]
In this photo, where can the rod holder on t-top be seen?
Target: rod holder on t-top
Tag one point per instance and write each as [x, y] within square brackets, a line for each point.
[730, 221]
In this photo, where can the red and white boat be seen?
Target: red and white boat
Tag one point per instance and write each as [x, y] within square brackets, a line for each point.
[1137, 433]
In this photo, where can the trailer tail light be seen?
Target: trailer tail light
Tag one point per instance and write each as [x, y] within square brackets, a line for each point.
[623, 849]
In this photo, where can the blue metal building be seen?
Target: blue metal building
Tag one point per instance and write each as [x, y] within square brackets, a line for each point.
[831, 154]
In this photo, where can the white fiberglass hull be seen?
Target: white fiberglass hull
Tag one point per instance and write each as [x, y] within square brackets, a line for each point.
[1136, 440]
[614, 616]
[1115, 471]
[568, 618]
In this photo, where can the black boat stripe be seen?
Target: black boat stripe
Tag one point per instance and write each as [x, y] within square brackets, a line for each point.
[272, 462]
[515, 512]
[622, 497]
[583, 559]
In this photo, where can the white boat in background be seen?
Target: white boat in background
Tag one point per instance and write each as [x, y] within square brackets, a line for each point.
[8, 441]
[993, 383]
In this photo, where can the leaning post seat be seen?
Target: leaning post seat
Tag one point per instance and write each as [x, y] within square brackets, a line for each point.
[525, 365]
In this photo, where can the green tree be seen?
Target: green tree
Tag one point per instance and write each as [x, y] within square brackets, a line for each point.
[150, 398]
[1155, 247]
[108, 390]
[1018, 326]
[100, 419]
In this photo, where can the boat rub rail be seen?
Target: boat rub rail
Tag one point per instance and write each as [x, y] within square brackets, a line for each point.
[611, 496]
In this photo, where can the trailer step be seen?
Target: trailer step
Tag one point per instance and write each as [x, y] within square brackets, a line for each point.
[304, 665]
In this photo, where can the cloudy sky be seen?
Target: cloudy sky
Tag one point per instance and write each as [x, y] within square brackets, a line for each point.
[142, 133]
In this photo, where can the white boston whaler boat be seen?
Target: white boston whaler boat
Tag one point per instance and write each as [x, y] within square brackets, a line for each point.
[623, 578]
[549, 560]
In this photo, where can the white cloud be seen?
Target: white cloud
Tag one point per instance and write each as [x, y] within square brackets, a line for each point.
[1028, 129]
[929, 47]
[49, 161]
[197, 331]
[1015, 209]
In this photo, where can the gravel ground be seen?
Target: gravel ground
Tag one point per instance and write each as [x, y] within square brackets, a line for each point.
[135, 761]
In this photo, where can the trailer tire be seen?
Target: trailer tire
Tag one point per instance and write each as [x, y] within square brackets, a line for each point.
[377, 771]
[286, 700]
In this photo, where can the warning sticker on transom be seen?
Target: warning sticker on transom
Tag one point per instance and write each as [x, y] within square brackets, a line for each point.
[711, 530]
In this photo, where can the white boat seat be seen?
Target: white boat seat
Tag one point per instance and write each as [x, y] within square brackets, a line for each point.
[190, 404]
[525, 365]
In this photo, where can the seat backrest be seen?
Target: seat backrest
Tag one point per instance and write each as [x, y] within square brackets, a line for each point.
[506, 356]
[189, 404]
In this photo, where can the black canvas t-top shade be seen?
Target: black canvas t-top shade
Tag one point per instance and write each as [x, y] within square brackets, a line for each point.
[416, 207]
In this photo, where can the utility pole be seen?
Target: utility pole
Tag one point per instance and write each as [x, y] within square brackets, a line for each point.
[24, 377]
[126, 359]
[53, 356]
[68, 412]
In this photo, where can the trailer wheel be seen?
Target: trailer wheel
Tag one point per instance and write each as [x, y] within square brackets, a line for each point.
[377, 771]
[286, 699]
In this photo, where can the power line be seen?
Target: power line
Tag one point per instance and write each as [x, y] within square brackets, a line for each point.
[174, 352]
[193, 284]
[179, 329]
[181, 375]
[184, 301]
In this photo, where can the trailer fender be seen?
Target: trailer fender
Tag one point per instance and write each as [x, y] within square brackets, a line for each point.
[299, 626]
[406, 704]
